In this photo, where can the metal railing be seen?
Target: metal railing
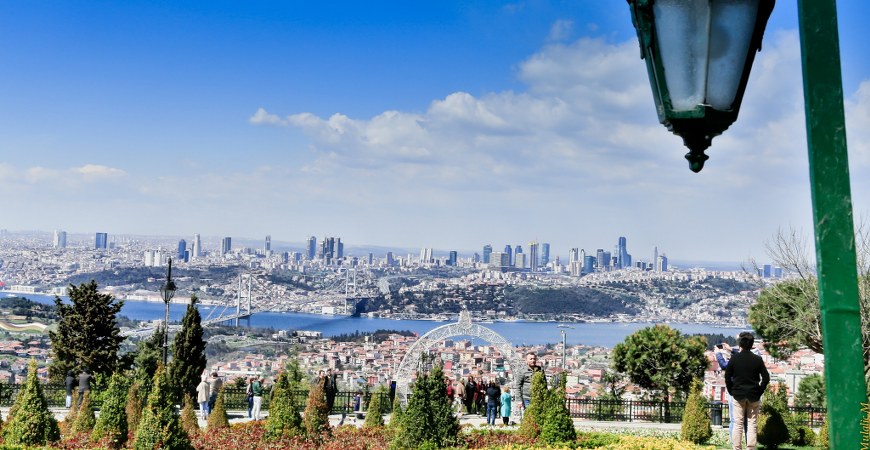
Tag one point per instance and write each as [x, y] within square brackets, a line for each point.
[582, 408]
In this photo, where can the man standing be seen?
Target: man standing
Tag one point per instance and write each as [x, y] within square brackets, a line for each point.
[746, 379]
[84, 383]
[214, 386]
[70, 385]
[523, 383]
[330, 388]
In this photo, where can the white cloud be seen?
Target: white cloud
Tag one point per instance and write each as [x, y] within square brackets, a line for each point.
[561, 30]
[582, 139]
[94, 172]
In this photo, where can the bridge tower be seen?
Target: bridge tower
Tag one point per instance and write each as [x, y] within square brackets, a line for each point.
[244, 292]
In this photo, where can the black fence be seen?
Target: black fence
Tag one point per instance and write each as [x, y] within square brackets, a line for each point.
[581, 408]
[669, 412]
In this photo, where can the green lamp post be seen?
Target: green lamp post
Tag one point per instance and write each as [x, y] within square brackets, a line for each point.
[698, 55]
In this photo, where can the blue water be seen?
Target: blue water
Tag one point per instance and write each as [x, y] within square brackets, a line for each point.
[519, 333]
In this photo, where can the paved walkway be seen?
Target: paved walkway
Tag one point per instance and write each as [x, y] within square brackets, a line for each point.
[470, 419]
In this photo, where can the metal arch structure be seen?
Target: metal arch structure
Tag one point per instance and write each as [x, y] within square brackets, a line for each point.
[463, 327]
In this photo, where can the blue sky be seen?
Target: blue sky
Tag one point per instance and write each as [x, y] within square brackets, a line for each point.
[445, 124]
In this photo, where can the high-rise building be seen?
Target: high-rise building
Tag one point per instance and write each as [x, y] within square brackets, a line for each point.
[426, 255]
[226, 245]
[520, 261]
[545, 254]
[767, 271]
[574, 255]
[499, 260]
[312, 247]
[510, 254]
[339, 248]
[623, 259]
[518, 249]
[475, 258]
[101, 241]
[588, 264]
[655, 260]
[59, 239]
[451, 260]
[328, 250]
[391, 261]
[487, 250]
[182, 249]
[533, 256]
[662, 265]
[268, 245]
[371, 258]
[197, 247]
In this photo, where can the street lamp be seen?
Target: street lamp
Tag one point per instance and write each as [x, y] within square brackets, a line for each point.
[167, 291]
[697, 93]
[698, 55]
[564, 349]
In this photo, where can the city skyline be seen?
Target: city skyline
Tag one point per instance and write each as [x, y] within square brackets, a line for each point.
[445, 124]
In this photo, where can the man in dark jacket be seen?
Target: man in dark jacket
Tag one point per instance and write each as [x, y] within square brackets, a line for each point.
[70, 385]
[746, 379]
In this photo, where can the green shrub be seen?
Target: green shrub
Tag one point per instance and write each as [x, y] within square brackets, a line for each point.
[159, 426]
[396, 416]
[530, 426]
[316, 418]
[594, 439]
[85, 418]
[374, 416]
[696, 426]
[822, 441]
[112, 423]
[189, 422]
[217, 417]
[557, 425]
[428, 419]
[804, 436]
[30, 422]
[284, 419]
[70, 417]
[773, 428]
[134, 406]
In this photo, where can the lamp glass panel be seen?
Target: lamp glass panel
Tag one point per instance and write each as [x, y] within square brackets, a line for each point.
[682, 34]
[732, 25]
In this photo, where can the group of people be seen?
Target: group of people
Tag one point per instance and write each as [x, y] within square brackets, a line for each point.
[484, 398]
[746, 379]
[83, 381]
[206, 393]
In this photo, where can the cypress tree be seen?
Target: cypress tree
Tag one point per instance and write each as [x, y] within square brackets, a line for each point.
[30, 422]
[284, 419]
[85, 418]
[160, 427]
[696, 426]
[772, 421]
[112, 423]
[556, 425]
[316, 417]
[87, 333]
[218, 418]
[149, 354]
[428, 419]
[134, 406]
[531, 426]
[188, 353]
[189, 422]
[374, 416]
[70, 417]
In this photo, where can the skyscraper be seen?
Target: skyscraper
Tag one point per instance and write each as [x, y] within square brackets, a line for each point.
[451, 260]
[312, 247]
[655, 260]
[487, 251]
[339, 248]
[197, 246]
[101, 241]
[533, 256]
[510, 255]
[574, 255]
[268, 245]
[425, 255]
[226, 245]
[520, 260]
[59, 239]
[545, 254]
[182, 249]
[622, 257]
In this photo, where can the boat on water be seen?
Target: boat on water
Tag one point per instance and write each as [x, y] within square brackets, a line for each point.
[562, 325]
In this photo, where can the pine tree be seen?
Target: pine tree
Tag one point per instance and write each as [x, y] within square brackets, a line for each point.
[112, 423]
[188, 353]
[134, 406]
[557, 425]
[160, 427]
[189, 422]
[70, 417]
[87, 334]
[696, 426]
[149, 354]
[428, 420]
[316, 417]
[374, 416]
[284, 419]
[530, 426]
[85, 418]
[218, 418]
[30, 422]
[396, 417]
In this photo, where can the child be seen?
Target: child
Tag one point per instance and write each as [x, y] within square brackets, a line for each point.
[506, 405]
